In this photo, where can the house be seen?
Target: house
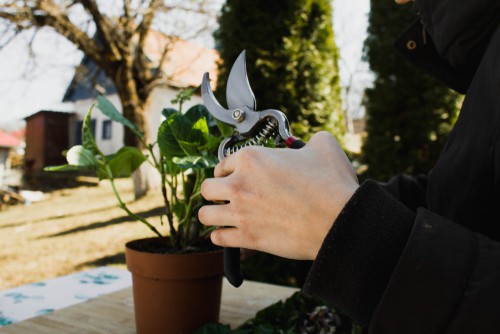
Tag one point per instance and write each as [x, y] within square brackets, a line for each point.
[49, 133]
[184, 67]
[8, 142]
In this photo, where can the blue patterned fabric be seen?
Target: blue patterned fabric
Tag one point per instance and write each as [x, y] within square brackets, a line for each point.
[31, 300]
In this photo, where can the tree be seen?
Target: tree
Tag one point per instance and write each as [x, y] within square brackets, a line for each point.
[112, 36]
[409, 113]
[291, 59]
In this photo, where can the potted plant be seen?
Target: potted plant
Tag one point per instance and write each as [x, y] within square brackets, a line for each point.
[177, 276]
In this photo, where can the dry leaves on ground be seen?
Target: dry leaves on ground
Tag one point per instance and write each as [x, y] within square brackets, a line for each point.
[70, 230]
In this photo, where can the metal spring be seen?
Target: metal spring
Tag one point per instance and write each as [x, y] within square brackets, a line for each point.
[267, 132]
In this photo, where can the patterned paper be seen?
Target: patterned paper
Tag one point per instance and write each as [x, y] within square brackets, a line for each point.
[31, 300]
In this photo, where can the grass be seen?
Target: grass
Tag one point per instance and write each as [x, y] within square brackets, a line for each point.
[71, 230]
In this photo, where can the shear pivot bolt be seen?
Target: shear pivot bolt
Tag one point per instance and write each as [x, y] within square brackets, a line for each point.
[238, 115]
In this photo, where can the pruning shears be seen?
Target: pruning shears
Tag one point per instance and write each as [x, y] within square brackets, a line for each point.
[251, 127]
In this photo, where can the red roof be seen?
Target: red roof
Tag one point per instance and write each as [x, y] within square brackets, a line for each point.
[185, 62]
[8, 140]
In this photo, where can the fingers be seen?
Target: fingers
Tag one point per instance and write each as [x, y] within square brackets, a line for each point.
[227, 234]
[227, 237]
[216, 189]
[216, 215]
[226, 166]
[239, 160]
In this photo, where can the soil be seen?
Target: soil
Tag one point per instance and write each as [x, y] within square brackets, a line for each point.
[71, 230]
[162, 246]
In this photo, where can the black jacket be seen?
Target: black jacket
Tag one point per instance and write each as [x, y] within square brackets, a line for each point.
[422, 254]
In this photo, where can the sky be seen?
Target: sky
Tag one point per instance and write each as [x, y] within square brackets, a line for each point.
[28, 86]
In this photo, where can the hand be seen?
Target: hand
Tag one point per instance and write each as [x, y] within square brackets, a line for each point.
[401, 2]
[279, 201]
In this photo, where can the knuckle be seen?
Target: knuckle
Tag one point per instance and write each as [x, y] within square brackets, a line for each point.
[249, 155]
[219, 168]
[237, 189]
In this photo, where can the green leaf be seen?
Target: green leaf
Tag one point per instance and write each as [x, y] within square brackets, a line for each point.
[178, 136]
[198, 111]
[193, 140]
[87, 134]
[167, 142]
[167, 112]
[63, 168]
[109, 110]
[221, 329]
[171, 168]
[126, 161]
[82, 157]
[212, 143]
[265, 329]
[195, 162]
[179, 209]
[225, 130]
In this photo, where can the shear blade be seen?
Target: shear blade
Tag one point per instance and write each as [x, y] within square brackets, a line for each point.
[238, 90]
[213, 106]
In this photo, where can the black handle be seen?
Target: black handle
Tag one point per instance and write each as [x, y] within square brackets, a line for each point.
[232, 255]
[232, 266]
[296, 144]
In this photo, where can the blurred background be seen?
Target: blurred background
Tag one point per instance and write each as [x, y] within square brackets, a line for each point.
[329, 65]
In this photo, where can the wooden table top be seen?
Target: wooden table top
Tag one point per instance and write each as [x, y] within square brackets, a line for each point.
[114, 313]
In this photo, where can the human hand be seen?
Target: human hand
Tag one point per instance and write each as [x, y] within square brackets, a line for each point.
[400, 2]
[279, 201]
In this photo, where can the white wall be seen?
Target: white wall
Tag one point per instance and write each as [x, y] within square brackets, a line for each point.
[4, 152]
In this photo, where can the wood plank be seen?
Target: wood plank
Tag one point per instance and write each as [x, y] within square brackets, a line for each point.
[114, 313]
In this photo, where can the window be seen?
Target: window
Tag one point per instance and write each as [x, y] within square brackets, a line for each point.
[107, 129]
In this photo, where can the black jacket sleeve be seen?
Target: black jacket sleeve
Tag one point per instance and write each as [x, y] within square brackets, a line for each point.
[409, 190]
[413, 273]
[359, 254]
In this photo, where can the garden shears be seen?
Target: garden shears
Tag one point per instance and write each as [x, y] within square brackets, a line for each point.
[251, 127]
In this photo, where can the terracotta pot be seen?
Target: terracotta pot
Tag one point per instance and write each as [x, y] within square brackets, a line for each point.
[174, 293]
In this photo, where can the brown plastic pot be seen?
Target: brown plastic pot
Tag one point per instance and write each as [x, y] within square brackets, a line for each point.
[174, 293]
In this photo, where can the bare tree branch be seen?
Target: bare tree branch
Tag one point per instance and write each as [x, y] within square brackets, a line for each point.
[48, 14]
[105, 30]
[120, 43]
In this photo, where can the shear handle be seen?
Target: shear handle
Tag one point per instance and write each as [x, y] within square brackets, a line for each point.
[232, 255]
[232, 269]
[294, 143]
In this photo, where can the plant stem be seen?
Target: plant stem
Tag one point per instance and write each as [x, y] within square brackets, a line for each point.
[195, 194]
[174, 239]
[124, 207]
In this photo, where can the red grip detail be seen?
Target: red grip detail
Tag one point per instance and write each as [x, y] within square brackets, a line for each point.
[290, 141]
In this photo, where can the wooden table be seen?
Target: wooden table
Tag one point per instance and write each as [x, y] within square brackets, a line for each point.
[114, 313]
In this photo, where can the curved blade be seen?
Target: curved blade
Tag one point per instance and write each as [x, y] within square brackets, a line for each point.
[238, 90]
[212, 104]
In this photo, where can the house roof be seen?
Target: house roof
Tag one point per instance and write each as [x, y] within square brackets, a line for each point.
[51, 112]
[183, 66]
[186, 62]
[85, 82]
[8, 140]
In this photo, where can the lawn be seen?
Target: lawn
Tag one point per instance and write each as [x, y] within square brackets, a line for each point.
[70, 230]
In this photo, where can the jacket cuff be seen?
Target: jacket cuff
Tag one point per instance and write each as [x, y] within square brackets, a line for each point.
[359, 254]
